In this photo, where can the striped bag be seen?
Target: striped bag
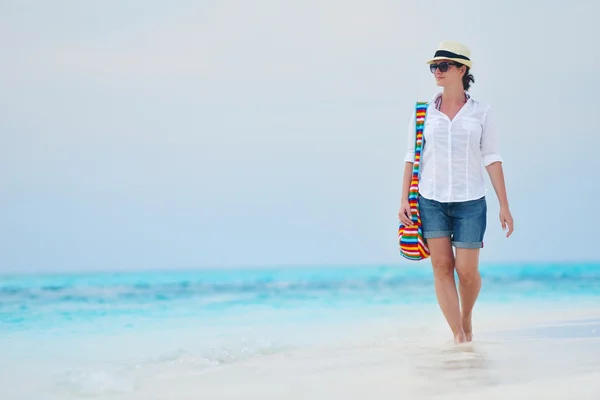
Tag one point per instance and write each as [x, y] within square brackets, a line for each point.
[413, 245]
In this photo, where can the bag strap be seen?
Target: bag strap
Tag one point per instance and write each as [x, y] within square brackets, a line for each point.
[420, 115]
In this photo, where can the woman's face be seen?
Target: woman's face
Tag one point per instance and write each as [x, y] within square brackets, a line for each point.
[452, 75]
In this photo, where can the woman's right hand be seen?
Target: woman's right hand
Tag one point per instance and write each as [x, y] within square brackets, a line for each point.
[404, 214]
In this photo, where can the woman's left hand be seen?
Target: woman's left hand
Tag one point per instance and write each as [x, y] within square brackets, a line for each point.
[506, 220]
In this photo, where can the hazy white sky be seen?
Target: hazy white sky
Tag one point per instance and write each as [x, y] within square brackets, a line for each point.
[147, 134]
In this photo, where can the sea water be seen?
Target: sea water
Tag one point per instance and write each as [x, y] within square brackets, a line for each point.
[372, 332]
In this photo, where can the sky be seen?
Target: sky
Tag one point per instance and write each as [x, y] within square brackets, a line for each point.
[210, 134]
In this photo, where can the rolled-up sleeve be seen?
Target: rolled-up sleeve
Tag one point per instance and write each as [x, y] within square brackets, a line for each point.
[490, 140]
[410, 146]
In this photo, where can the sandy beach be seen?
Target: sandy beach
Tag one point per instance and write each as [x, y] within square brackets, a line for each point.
[546, 359]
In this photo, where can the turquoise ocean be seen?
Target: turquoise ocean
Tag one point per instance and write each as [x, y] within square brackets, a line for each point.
[318, 332]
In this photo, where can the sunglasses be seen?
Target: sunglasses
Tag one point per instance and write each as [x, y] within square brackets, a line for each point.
[443, 66]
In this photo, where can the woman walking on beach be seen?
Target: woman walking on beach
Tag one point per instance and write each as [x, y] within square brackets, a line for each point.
[460, 139]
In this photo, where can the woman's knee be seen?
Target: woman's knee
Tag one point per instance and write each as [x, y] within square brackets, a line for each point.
[442, 257]
[467, 261]
[443, 267]
[468, 274]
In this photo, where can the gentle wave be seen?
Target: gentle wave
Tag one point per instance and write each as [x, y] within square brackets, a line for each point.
[177, 364]
[164, 286]
[69, 297]
[289, 279]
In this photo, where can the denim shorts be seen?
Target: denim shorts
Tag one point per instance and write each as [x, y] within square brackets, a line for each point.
[464, 222]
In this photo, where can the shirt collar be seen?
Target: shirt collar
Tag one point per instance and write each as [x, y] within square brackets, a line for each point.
[438, 94]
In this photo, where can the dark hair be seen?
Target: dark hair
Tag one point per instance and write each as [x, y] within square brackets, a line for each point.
[467, 78]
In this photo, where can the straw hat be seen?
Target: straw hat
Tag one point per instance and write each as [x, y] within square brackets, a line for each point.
[452, 51]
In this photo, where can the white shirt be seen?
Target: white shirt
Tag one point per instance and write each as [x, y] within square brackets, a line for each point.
[455, 152]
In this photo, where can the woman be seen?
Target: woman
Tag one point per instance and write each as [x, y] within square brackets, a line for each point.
[460, 139]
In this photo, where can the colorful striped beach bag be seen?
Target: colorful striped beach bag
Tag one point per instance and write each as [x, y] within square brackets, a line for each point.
[413, 245]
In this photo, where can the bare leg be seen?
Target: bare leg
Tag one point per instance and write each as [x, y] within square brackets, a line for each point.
[467, 261]
[442, 259]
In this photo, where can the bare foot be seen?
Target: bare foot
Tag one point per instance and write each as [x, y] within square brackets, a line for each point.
[460, 338]
[467, 327]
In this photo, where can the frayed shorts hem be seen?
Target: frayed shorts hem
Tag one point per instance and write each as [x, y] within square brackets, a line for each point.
[468, 245]
[436, 234]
